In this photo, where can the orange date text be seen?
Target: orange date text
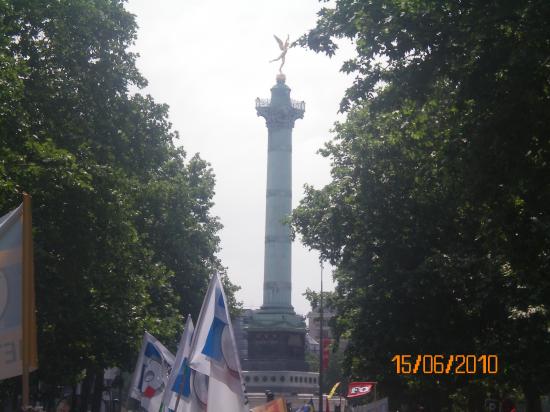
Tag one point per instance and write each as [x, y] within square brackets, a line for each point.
[446, 364]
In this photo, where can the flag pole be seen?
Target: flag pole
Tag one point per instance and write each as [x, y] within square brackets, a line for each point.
[180, 390]
[321, 344]
[28, 297]
[184, 365]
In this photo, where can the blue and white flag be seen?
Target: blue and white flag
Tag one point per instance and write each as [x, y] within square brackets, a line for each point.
[214, 353]
[150, 376]
[187, 389]
[10, 293]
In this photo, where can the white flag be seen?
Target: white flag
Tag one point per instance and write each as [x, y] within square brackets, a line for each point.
[214, 353]
[12, 297]
[151, 373]
[187, 389]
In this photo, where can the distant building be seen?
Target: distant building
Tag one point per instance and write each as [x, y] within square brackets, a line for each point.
[312, 345]
[313, 323]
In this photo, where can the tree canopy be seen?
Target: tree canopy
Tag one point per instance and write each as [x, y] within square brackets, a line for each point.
[437, 215]
[124, 237]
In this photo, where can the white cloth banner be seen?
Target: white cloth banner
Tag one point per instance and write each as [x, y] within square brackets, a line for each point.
[214, 353]
[11, 276]
[150, 376]
[376, 406]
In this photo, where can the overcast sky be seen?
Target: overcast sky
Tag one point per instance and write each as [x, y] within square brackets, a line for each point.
[209, 61]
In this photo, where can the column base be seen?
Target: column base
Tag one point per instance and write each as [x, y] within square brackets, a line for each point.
[276, 340]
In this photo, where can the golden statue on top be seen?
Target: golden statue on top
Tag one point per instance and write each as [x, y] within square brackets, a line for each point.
[284, 48]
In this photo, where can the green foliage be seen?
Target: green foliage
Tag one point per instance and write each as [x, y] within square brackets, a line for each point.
[333, 373]
[312, 360]
[124, 238]
[314, 298]
[437, 215]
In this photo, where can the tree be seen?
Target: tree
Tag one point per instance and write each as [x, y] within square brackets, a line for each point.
[333, 373]
[437, 215]
[124, 237]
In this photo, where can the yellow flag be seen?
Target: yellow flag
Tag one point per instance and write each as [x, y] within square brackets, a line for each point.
[333, 390]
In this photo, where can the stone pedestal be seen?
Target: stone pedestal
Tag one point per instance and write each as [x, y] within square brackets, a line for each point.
[276, 342]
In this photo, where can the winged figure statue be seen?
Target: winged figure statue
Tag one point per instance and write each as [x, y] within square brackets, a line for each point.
[284, 48]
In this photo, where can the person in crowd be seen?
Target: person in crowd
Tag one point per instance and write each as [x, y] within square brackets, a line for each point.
[63, 406]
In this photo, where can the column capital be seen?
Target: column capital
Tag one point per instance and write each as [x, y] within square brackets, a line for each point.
[280, 117]
[280, 112]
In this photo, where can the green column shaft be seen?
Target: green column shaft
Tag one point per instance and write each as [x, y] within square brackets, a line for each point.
[280, 114]
[278, 252]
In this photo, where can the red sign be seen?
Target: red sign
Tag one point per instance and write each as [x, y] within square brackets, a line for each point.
[356, 389]
[326, 352]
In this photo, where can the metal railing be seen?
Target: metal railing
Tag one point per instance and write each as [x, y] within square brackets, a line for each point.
[298, 105]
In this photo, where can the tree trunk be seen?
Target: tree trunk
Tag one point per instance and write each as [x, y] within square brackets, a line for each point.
[97, 396]
[476, 397]
[532, 398]
[85, 392]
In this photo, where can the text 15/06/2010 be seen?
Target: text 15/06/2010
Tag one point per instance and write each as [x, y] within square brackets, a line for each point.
[446, 364]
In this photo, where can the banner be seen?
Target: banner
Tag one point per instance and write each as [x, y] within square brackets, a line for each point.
[277, 405]
[16, 296]
[376, 406]
[356, 389]
[151, 373]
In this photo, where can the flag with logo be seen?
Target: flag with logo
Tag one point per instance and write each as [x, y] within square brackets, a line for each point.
[17, 310]
[187, 389]
[356, 389]
[150, 376]
[214, 353]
